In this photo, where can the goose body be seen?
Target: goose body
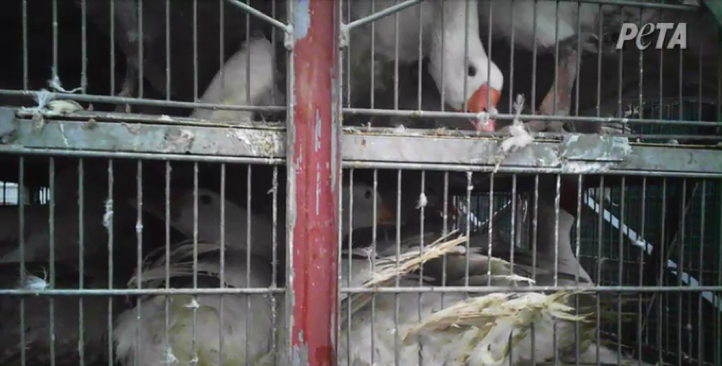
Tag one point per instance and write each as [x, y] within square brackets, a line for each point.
[240, 326]
[481, 336]
[208, 223]
[554, 22]
[247, 319]
[246, 78]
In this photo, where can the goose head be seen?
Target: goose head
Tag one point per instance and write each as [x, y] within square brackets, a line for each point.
[452, 68]
[363, 207]
[208, 219]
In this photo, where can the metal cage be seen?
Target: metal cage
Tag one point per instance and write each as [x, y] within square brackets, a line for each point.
[202, 181]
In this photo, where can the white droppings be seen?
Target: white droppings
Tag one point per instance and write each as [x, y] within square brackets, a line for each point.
[63, 106]
[193, 304]
[108, 215]
[166, 118]
[35, 283]
[422, 202]
[579, 167]
[170, 358]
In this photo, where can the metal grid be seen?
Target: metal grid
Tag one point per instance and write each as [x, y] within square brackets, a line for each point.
[204, 192]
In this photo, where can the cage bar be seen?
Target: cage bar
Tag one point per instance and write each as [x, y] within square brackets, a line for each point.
[313, 158]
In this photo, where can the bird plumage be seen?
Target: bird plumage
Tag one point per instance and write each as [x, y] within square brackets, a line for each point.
[246, 78]
[247, 318]
[451, 59]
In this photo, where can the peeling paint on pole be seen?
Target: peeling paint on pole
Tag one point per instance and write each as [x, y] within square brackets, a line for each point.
[301, 19]
[312, 157]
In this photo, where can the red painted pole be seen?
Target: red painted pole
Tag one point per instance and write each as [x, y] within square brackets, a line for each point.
[313, 160]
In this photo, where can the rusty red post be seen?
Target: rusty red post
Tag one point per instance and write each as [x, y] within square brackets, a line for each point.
[313, 162]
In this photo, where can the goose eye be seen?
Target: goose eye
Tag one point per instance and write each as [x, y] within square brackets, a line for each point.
[204, 199]
[367, 195]
[471, 71]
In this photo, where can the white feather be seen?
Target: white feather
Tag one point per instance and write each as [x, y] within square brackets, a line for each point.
[230, 84]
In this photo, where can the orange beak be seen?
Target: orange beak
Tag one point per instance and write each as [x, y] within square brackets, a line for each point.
[477, 104]
[385, 217]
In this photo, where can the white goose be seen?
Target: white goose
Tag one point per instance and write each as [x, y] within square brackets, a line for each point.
[481, 76]
[239, 326]
[455, 329]
[234, 85]
[209, 218]
[555, 23]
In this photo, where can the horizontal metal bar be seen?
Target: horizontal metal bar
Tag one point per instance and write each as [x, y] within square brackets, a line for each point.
[361, 149]
[132, 292]
[19, 150]
[353, 111]
[91, 98]
[380, 14]
[517, 170]
[524, 117]
[249, 9]
[137, 137]
[632, 3]
[354, 290]
[490, 289]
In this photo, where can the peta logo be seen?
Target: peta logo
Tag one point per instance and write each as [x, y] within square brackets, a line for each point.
[678, 38]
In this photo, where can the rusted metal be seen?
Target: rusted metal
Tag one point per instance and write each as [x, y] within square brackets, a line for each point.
[313, 183]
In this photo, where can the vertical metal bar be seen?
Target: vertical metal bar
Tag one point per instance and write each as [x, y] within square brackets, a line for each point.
[139, 252]
[21, 241]
[55, 38]
[249, 181]
[51, 234]
[222, 224]
[274, 267]
[313, 169]
[168, 50]
[620, 268]
[81, 262]
[195, 49]
[166, 300]
[140, 50]
[111, 182]
[700, 309]
[112, 48]
[643, 230]
[84, 47]
[397, 346]
[26, 81]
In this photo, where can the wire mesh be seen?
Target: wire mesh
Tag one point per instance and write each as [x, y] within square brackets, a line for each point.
[145, 219]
